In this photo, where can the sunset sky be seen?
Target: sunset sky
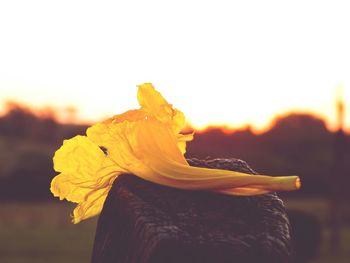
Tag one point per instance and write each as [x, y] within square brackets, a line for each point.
[220, 62]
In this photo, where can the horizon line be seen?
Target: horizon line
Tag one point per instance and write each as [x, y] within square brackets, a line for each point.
[226, 127]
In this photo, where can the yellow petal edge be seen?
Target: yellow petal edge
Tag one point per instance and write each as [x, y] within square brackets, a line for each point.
[145, 142]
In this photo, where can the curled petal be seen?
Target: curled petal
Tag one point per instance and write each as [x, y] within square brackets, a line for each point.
[182, 139]
[178, 121]
[92, 205]
[153, 104]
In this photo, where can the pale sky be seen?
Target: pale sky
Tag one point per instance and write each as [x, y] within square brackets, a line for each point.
[231, 62]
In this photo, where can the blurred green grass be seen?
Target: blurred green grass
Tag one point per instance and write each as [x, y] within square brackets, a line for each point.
[42, 232]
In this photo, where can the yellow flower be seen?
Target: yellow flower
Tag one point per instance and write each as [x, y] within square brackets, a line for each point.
[147, 143]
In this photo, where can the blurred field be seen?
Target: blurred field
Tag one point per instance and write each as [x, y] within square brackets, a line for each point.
[42, 232]
[319, 208]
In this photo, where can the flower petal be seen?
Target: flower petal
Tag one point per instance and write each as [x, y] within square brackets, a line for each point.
[153, 104]
[73, 189]
[120, 140]
[182, 139]
[85, 169]
[92, 205]
[80, 157]
[155, 138]
[130, 115]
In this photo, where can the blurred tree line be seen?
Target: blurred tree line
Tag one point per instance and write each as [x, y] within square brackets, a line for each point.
[295, 144]
[28, 141]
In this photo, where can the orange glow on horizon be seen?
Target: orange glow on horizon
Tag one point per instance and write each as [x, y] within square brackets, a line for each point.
[229, 128]
[70, 115]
